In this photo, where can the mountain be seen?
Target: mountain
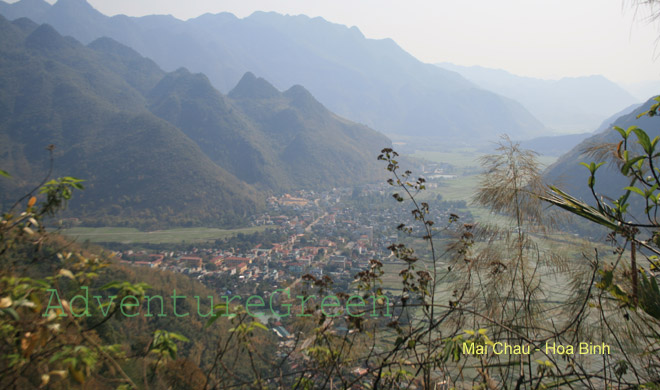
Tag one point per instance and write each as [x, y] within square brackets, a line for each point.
[575, 104]
[273, 140]
[554, 145]
[374, 82]
[569, 175]
[609, 123]
[136, 166]
[557, 145]
[159, 148]
[302, 158]
[37, 9]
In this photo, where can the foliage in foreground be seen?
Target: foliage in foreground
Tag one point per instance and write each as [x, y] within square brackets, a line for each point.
[51, 343]
[628, 288]
[469, 292]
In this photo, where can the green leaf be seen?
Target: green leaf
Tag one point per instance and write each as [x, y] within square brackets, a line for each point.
[110, 285]
[211, 320]
[600, 164]
[179, 337]
[636, 190]
[643, 139]
[593, 167]
[621, 131]
[652, 111]
[78, 375]
[629, 163]
[578, 207]
[11, 312]
[4, 173]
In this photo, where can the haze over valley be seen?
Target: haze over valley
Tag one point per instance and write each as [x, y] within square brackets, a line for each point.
[256, 135]
[316, 195]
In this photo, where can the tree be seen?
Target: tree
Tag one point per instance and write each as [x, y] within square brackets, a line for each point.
[46, 341]
[37, 349]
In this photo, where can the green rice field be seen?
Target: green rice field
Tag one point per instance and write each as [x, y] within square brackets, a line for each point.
[169, 236]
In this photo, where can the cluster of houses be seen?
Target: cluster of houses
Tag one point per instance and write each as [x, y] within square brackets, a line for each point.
[323, 236]
[289, 259]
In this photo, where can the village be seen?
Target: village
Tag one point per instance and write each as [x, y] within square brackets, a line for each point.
[333, 233]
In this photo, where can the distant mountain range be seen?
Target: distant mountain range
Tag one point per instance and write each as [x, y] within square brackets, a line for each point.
[571, 104]
[162, 148]
[568, 174]
[554, 145]
[557, 145]
[374, 82]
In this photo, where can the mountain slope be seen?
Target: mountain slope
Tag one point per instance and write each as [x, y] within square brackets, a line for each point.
[373, 82]
[300, 156]
[554, 145]
[137, 166]
[569, 104]
[273, 140]
[567, 174]
[558, 145]
[189, 102]
[163, 147]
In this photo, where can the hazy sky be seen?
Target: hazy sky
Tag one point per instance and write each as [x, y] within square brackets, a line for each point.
[539, 38]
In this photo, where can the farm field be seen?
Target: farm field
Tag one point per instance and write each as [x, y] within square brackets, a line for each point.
[169, 236]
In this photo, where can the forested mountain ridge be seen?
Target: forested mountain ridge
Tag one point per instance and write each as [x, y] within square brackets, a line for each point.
[329, 153]
[100, 106]
[136, 166]
[273, 140]
[374, 82]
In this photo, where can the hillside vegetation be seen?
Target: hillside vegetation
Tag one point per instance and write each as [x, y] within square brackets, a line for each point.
[160, 148]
